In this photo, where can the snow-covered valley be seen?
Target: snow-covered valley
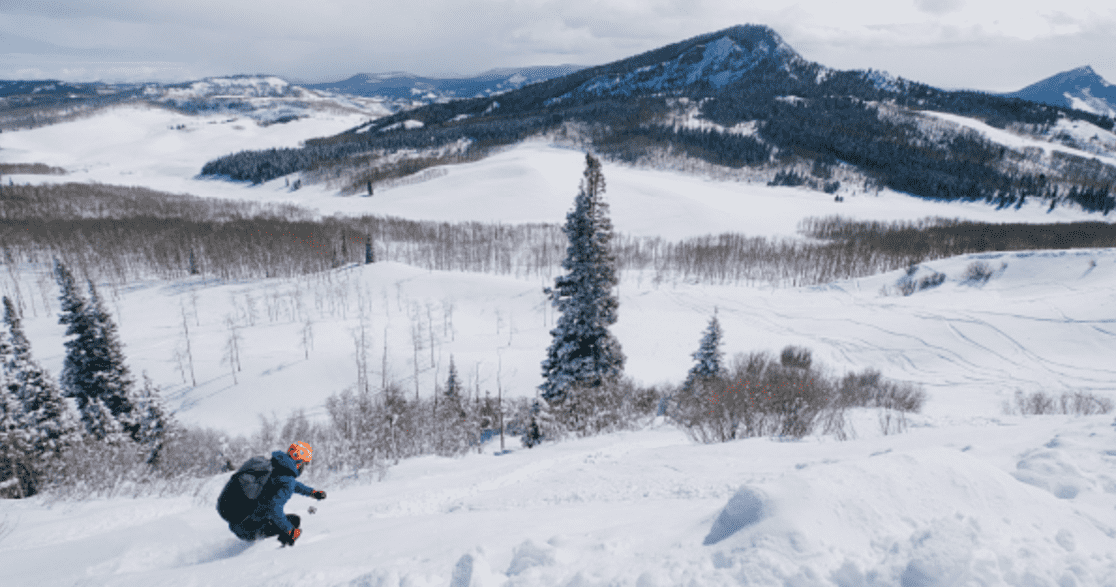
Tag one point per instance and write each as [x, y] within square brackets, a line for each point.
[967, 495]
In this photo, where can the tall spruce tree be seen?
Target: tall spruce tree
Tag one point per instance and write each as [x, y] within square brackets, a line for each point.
[451, 417]
[453, 383]
[15, 437]
[94, 373]
[707, 359]
[583, 353]
[48, 419]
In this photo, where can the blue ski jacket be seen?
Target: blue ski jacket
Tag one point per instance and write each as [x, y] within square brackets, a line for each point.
[281, 485]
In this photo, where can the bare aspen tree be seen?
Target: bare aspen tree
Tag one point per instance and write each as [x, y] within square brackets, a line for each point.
[232, 347]
[361, 342]
[447, 319]
[295, 295]
[430, 328]
[416, 343]
[186, 338]
[194, 305]
[250, 308]
[384, 364]
[360, 354]
[500, 396]
[306, 337]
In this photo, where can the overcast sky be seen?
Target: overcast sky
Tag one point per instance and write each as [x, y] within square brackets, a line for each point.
[999, 45]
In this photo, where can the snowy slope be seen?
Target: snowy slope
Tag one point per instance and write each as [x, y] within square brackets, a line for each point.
[532, 182]
[967, 504]
[1076, 137]
[158, 148]
[967, 496]
[1042, 323]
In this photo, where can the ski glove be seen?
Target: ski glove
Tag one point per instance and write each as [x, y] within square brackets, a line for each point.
[318, 495]
[289, 539]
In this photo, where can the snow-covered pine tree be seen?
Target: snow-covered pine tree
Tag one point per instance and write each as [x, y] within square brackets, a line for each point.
[157, 425]
[453, 383]
[101, 425]
[15, 438]
[542, 425]
[48, 419]
[93, 372]
[451, 418]
[583, 354]
[707, 359]
[110, 376]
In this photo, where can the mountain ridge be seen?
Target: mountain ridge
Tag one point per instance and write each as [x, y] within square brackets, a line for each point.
[406, 86]
[739, 98]
[1081, 88]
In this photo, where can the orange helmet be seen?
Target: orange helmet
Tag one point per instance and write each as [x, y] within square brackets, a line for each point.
[300, 451]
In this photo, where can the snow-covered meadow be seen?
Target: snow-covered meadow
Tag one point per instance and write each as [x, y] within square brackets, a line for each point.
[968, 495]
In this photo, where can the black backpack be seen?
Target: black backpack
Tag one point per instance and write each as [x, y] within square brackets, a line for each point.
[238, 498]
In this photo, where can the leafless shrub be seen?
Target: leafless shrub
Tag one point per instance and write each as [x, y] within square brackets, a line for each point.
[908, 284]
[97, 469]
[869, 389]
[613, 406]
[1075, 403]
[797, 357]
[892, 421]
[762, 397]
[977, 273]
[757, 397]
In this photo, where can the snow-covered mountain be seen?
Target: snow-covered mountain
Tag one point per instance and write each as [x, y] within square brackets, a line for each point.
[265, 99]
[1080, 88]
[411, 88]
[744, 102]
[713, 60]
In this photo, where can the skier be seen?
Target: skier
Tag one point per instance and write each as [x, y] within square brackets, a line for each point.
[267, 519]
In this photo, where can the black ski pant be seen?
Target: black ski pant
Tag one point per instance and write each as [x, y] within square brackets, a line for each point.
[246, 531]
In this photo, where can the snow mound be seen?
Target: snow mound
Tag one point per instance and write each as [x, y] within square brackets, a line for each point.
[472, 570]
[744, 509]
[919, 518]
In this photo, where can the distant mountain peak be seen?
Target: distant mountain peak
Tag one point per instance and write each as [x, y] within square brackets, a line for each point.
[717, 59]
[1081, 88]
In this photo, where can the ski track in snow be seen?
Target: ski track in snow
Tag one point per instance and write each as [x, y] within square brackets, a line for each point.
[965, 496]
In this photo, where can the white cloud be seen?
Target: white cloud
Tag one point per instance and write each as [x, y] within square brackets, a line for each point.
[946, 42]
